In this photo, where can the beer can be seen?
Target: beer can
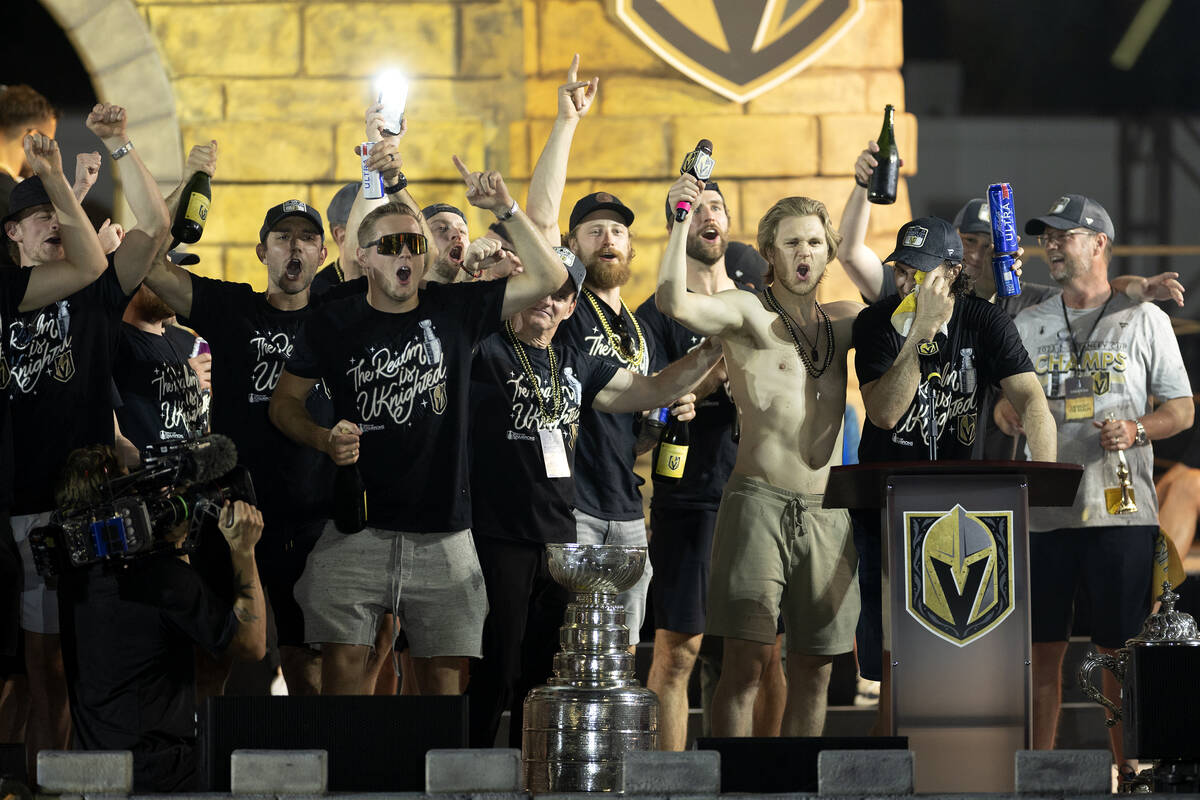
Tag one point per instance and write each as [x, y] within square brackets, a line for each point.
[1004, 219]
[1007, 282]
[372, 181]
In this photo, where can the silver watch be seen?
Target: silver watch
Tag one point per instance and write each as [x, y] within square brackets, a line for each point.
[1141, 437]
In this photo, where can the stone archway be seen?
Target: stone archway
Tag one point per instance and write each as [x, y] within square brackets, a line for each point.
[122, 58]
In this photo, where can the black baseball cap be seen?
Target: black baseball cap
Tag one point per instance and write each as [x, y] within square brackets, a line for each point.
[974, 217]
[27, 194]
[338, 212]
[289, 208]
[710, 185]
[438, 208]
[1073, 211]
[599, 201]
[925, 243]
[182, 258]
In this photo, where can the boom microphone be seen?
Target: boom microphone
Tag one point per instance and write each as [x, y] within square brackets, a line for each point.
[211, 457]
[699, 164]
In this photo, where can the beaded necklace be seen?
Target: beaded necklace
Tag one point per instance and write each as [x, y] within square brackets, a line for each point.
[793, 328]
[548, 420]
[614, 341]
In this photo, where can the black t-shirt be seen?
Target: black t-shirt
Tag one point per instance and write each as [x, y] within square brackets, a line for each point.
[982, 349]
[711, 451]
[128, 638]
[60, 359]
[13, 283]
[511, 496]
[251, 340]
[405, 380]
[605, 484]
[161, 400]
[7, 184]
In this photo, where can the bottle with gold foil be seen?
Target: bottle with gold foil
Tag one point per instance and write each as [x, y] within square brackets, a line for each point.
[192, 213]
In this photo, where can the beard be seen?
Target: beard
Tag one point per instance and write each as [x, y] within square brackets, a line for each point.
[605, 275]
[150, 306]
[704, 251]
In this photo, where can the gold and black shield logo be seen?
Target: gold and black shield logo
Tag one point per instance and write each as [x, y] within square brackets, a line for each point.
[928, 348]
[5, 373]
[1101, 382]
[438, 398]
[965, 428]
[738, 48]
[958, 574]
[63, 367]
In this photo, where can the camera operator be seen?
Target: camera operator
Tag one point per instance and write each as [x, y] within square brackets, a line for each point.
[129, 630]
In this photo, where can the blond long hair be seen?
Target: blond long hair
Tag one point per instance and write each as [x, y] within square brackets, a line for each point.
[768, 226]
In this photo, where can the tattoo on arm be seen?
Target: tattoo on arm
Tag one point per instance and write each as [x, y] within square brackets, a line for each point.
[244, 588]
[245, 615]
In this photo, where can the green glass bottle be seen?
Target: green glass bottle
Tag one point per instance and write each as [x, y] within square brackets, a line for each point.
[881, 188]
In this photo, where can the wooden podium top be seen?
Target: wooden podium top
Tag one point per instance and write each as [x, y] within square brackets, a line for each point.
[865, 485]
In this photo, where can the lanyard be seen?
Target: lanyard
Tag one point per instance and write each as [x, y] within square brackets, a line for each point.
[1077, 367]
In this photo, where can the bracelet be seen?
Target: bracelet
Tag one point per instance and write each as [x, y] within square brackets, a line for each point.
[399, 186]
[1141, 437]
[122, 151]
[507, 215]
[860, 183]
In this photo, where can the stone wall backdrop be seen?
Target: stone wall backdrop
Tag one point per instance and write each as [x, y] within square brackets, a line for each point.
[282, 87]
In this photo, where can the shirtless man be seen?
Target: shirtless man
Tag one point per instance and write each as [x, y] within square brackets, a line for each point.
[786, 357]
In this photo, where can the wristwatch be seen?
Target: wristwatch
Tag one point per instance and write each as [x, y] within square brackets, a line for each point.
[122, 151]
[400, 185]
[1141, 437]
[504, 216]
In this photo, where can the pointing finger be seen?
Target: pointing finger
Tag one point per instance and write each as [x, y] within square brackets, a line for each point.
[462, 168]
[573, 70]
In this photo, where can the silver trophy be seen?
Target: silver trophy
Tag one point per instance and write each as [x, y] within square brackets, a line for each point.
[579, 726]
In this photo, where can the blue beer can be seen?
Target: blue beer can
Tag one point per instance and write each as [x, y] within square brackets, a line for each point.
[1007, 282]
[1004, 238]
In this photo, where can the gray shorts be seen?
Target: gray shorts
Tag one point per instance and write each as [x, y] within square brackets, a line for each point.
[39, 603]
[626, 533]
[778, 551]
[430, 581]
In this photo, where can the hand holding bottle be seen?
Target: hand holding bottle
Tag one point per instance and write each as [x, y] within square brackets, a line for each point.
[342, 443]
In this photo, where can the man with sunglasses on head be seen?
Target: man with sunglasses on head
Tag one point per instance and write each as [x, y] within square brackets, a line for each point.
[397, 362]
[252, 334]
[1099, 356]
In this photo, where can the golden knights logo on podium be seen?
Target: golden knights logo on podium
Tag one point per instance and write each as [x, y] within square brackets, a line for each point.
[958, 576]
[738, 48]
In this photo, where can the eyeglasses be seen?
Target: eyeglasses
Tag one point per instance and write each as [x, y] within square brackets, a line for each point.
[392, 244]
[1059, 238]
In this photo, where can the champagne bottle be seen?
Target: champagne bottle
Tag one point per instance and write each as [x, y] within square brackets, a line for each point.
[193, 210]
[672, 452]
[881, 187]
[349, 499]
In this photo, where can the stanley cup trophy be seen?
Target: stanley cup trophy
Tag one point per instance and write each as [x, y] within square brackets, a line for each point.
[579, 726]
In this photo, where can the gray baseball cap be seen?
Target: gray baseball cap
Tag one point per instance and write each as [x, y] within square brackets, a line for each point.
[974, 217]
[338, 212]
[1073, 211]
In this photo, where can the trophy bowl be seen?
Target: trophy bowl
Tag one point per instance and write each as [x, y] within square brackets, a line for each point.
[595, 568]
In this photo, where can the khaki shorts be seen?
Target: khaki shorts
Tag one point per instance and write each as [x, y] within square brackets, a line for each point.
[777, 550]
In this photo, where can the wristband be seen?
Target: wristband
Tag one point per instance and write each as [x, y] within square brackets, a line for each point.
[399, 186]
[507, 215]
[1141, 437]
[860, 183]
[122, 151]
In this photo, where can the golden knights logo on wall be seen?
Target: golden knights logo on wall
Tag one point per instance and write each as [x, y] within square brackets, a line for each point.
[738, 48]
[958, 577]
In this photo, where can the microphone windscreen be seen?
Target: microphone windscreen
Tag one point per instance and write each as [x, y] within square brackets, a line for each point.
[209, 458]
[705, 146]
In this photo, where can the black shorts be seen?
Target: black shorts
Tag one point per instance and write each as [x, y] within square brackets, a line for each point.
[680, 550]
[281, 554]
[1114, 563]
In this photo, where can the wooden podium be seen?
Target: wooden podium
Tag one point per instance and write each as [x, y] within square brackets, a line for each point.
[956, 578]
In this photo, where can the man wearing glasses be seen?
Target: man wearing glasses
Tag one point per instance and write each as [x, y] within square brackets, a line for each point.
[397, 363]
[1099, 355]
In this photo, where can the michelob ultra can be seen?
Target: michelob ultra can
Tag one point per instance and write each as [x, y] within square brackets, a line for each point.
[1004, 239]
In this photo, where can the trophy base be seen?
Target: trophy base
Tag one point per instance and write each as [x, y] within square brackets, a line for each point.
[1120, 501]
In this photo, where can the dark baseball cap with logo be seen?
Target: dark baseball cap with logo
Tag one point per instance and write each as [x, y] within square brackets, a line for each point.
[289, 208]
[974, 217]
[27, 194]
[1073, 211]
[925, 243]
[599, 201]
[574, 267]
